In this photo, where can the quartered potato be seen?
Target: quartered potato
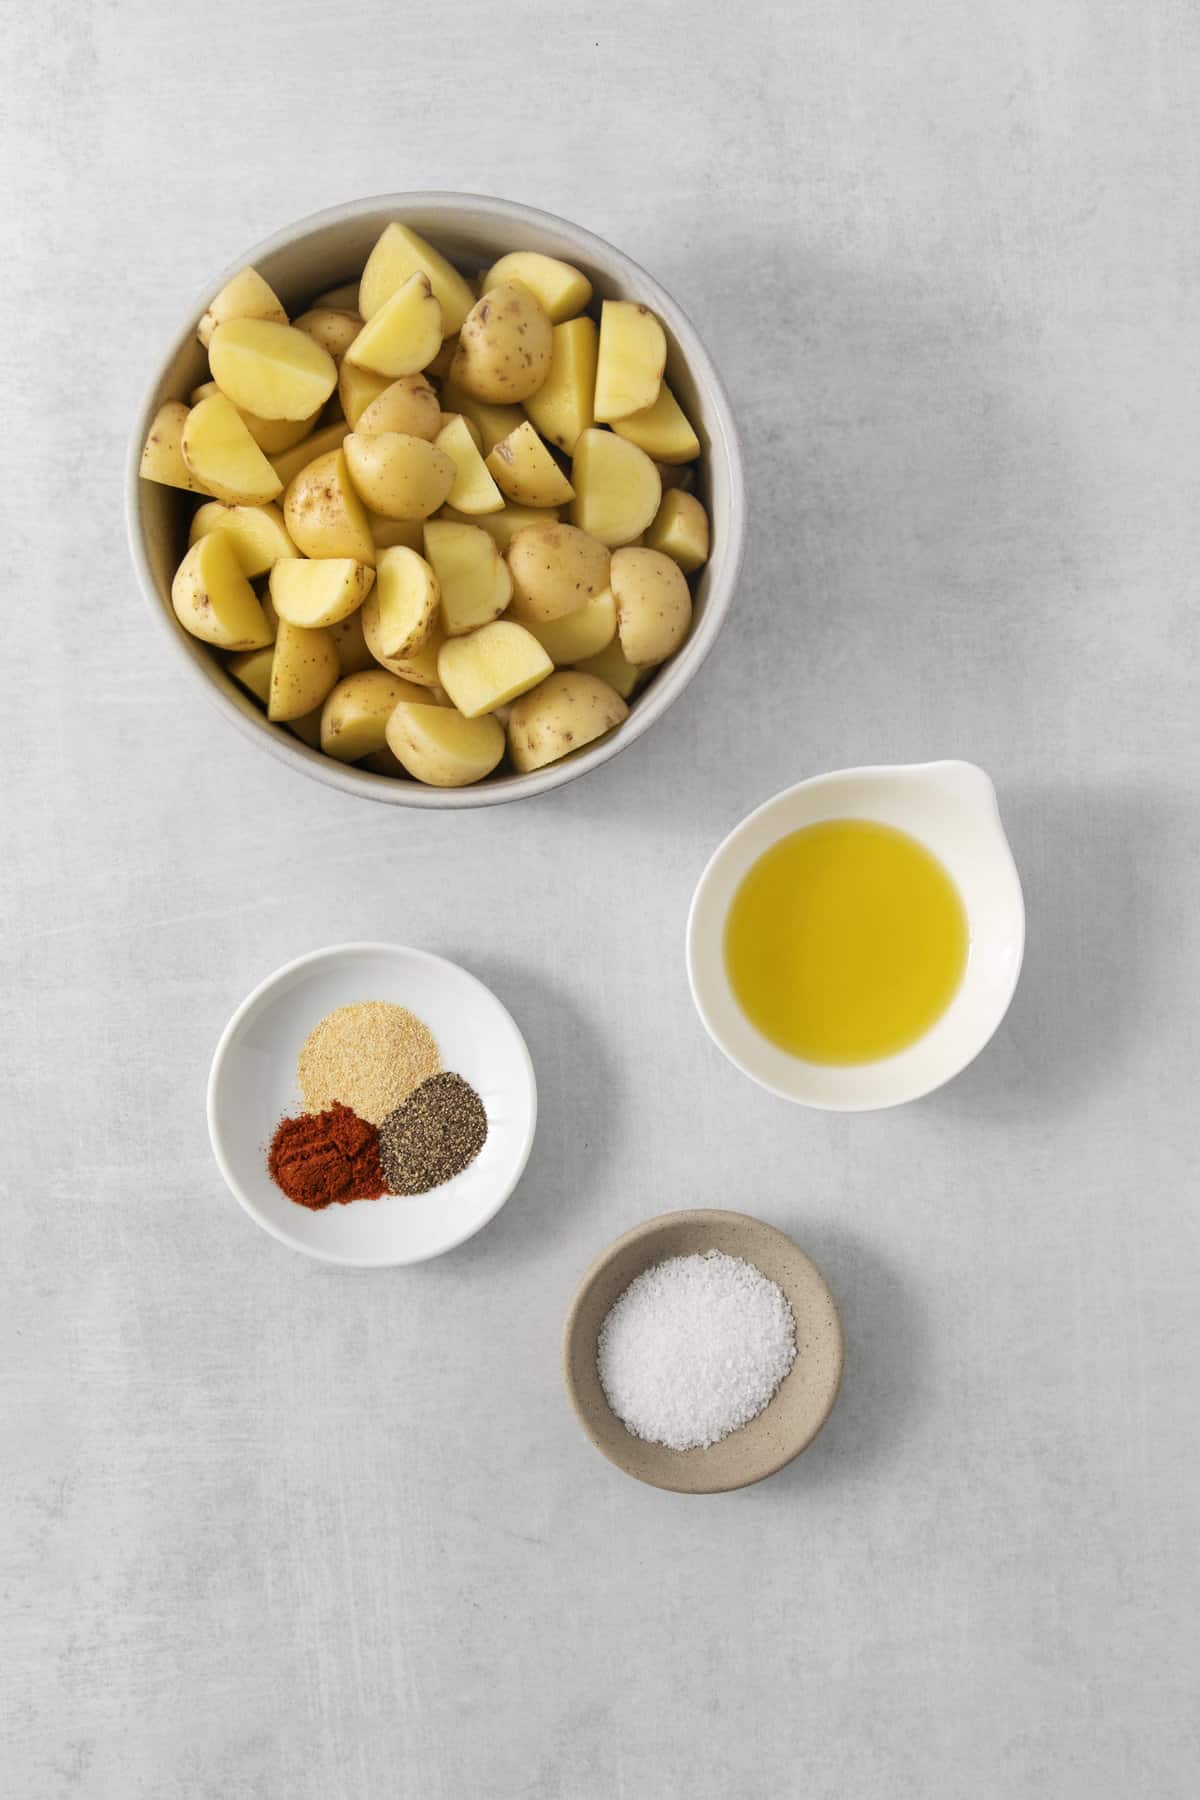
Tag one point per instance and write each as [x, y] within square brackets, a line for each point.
[631, 360]
[214, 601]
[654, 605]
[398, 618]
[404, 335]
[400, 253]
[246, 296]
[662, 430]
[504, 346]
[442, 748]
[491, 666]
[472, 576]
[572, 638]
[257, 533]
[304, 669]
[162, 453]
[562, 290]
[409, 405]
[562, 408]
[252, 668]
[680, 530]
[474, 490]
[355, 714]
[617, 487]
[417, 664]
[566, 712]
[400, 476]
[324, 514]
[524, 468]
[224, 458]
[272, 370]
[613, 667]
[357, 389]
[492, 422]
[555, 569]
[319, 591]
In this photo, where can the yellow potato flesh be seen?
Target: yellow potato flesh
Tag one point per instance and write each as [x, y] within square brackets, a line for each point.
[631, 359]
[307, 728]
[224, 458]
[400, 476]
[662, 431]
[272, 370]
[252, 668]
[257, 533]
[442, 748]
[654, 606]
[289, 464]
[351, 645]
[560, 288]
[404, 605]
[214, 601]
[355, 714]
[473, 579]
[490, 421]
[577, 635]
[491, 666]
[503, 527]
[612, 666]
[680, 530]
[335, 331]
[523, 467]
[245, 296]
[162, 453]
[474, 490]
[555, 569]
[319, 591]
[400, 253]
[324, 514]
[304, 669]
[562, 407]
[358, 389]
[404, 335]
[617, 488]
[561, 716]
[274, 436]
[408, 405]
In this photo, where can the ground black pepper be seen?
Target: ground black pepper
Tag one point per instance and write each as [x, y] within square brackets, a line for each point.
[433, 1135]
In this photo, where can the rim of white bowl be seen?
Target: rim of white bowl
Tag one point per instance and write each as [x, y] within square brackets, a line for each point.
[214, 1131]
[669, 683]
[742, 829]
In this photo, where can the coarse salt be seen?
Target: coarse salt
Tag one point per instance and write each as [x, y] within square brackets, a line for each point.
[694, 1349]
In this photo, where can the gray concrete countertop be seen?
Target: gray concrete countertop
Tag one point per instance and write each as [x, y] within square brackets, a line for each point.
[271, 1529]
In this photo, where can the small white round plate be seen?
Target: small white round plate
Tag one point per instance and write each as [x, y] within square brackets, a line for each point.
[253, 1085]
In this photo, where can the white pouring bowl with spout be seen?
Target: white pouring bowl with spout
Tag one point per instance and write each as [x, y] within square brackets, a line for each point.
[950, 808]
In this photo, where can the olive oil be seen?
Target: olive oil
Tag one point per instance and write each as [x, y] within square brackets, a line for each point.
[845, 941]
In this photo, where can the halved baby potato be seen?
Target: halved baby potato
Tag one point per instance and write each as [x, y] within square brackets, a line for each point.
[566, 712]
[503, 350]
[663, 430]
[324, 514]
[562, 289]
[257, 533]
[320, 590]
[654, 605]
[472, 576]
[632, 357]
[272, 370]
[355, 714]
[577, 635]
[524, 468]
[220, 452]
[491, 666]
[399, 616]
[418, 665]
[408, 405]
[400, 476]
[213, 599]
[562, 407]
[162, 453]
[474, 490]
[617, 487]
[400, 253]
[555, 568]
[442, 748]
[404, 335]
[245, 296]
[680, 530]
[304, 669]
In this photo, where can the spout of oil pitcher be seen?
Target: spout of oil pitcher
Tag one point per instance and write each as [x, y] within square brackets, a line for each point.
[963, 783]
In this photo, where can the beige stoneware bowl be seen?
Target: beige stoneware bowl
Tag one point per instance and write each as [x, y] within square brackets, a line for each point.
[329, 248]
[805, 1398]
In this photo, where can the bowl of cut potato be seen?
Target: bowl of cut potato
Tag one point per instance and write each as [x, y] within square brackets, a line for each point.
[440, 497]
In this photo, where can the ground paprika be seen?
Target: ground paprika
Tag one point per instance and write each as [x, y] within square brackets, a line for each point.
[323, 1158]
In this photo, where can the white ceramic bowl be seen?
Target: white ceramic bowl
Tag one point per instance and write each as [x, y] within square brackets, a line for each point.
[253, 1085]
[950, 807]
[329, 248]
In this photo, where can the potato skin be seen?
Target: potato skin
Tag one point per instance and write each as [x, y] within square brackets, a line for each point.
[440, 747]
[324, 514]
[555, 570]
[654, 604]
[504, 346]
[567, 711]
